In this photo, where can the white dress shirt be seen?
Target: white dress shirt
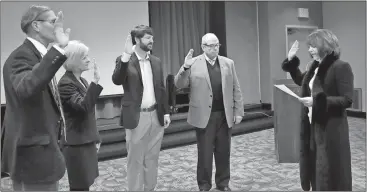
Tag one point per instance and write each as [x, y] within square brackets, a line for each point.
[147, 77]
[311, 86]
[209, 60]
[42, 49]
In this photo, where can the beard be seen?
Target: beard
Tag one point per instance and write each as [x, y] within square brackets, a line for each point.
[145, 47]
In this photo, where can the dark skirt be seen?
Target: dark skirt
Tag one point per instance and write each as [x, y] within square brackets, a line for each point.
[82, 164]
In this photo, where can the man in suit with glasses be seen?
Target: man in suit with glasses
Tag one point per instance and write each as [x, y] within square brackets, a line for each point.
[34, 118]
[215, 106]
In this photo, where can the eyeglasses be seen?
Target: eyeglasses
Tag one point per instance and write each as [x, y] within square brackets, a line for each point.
[213, 45]
[49, 21]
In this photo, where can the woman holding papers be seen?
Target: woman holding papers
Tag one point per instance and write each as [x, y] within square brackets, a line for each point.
[327, 90]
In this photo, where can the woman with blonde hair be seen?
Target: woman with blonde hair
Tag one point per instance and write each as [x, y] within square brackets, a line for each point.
[326, 93]
[78, 101]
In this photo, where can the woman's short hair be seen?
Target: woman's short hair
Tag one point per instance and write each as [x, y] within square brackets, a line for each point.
[325, 41]
[74, 51]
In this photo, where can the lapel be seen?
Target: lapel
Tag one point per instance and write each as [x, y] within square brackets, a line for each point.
[320, 76]
[221, 63]
[135, 63]
[30, 45]
[204, 68]
[323, 68]
[76, 82]
[155, 74]
[155, 70]
[85, 83]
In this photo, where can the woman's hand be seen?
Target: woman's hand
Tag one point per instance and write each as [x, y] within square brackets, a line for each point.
[98, 146]
[307, 101]
[96, 75]
[292, 52]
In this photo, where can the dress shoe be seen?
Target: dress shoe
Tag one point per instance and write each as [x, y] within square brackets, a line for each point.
[224, 189]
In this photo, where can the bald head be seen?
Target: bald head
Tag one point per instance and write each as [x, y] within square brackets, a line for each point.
[209, 37]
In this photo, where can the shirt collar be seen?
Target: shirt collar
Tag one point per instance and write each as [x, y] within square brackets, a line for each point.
[41, 48]
[138, 56]
[209, 60]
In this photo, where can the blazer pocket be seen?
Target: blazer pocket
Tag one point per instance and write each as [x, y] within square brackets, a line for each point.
[36, 140]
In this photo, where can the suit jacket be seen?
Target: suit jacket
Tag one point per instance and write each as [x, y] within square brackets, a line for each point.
[79, 109]
[201, 95]
[129, 76]
[32, 120]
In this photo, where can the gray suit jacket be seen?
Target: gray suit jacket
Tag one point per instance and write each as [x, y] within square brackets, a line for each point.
[197, 78]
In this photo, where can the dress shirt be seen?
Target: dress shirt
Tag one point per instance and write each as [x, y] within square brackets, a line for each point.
[42, 49]
[210, 60]
[311, 86]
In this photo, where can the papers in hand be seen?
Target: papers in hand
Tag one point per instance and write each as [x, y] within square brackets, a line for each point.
[287, 90]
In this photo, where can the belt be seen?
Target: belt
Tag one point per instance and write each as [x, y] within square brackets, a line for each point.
[149, 109]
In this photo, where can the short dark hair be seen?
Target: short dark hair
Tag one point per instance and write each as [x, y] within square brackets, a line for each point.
[31, 15]
[139, 32]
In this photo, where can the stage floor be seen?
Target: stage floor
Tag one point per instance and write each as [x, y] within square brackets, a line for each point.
[253, 166]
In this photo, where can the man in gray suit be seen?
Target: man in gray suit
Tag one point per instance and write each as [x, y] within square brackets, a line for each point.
[215, 106]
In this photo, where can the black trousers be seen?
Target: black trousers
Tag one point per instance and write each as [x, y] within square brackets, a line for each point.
[215, 138]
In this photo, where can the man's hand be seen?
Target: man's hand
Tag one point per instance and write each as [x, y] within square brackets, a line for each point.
[307, 101]
[188, 59]
[129, 45]
[98, 146]
[237, 119]
[167, 121]
[96, 75]
[61, 36]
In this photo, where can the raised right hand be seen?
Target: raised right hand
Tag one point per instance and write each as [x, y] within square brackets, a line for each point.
[128, 45]
[96, 75]
[292, 52]
[188, 59]
[61, 36]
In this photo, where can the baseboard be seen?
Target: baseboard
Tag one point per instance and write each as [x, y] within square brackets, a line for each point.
[358, 114]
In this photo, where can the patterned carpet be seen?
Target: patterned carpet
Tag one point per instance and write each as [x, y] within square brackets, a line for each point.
[253, 166]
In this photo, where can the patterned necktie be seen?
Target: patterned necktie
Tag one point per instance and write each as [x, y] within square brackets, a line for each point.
[56, 94]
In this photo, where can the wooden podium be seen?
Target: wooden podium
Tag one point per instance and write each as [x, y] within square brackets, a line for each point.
[287, 122]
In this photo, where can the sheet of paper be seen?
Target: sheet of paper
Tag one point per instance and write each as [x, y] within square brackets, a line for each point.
[287, 90]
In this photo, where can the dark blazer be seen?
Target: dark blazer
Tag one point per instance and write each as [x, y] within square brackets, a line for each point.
[32, 120]
[79, 109]
[129, 76]
[328, 133]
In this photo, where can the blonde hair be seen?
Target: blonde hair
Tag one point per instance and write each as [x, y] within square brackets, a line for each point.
[325, 41]
[74, 51]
